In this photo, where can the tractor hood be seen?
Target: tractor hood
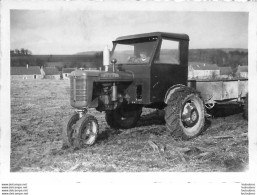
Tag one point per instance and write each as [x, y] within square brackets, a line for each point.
[116, 76]
[81, 73]
[103, 76]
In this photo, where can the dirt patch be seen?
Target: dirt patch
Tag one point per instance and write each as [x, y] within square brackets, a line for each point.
[38, 108]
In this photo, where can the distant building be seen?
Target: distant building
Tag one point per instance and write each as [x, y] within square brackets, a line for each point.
[242, 71]
[226, 72]
[66, 72]
[51, 73]
[28, 72]
[198, 70]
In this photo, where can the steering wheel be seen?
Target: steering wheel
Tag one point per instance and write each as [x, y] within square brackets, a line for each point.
[131, 59]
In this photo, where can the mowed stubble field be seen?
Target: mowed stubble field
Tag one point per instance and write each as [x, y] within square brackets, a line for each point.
[39, 109]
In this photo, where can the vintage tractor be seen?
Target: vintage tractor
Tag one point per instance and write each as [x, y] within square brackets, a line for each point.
[147, 70]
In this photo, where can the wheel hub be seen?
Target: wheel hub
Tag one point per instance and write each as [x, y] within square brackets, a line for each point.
[190, 115]
[90, 132]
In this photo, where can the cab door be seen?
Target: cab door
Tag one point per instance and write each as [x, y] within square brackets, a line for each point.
[169, 67]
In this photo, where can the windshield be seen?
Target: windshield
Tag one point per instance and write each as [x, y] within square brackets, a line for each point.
[136, 51]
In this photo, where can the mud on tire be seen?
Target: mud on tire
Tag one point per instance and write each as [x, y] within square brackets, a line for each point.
[185, 113]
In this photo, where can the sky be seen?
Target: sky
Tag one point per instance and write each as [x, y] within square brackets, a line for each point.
[73, 31]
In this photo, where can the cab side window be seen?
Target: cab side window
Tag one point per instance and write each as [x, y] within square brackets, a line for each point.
[169, 52]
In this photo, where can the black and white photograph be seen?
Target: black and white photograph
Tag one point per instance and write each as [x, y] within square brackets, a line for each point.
[135, 89]
[129, 91]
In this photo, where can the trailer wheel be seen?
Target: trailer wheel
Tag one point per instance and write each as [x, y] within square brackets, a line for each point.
[87, 130]
[68, 130]
[185, 113]
[246, 107]
[123, 117]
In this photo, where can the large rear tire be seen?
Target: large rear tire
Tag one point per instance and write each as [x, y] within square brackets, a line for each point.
[123, 117]
[68, 130]
[185, 113]
[87, 130]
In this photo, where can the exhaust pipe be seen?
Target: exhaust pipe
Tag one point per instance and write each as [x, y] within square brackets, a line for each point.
[106, 58]
[114, 92]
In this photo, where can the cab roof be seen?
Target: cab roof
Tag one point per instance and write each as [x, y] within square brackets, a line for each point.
[155, 34]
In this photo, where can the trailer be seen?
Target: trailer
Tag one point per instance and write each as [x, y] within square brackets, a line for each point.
[221, 91]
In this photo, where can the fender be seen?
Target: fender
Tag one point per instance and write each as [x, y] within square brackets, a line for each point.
[171, 90]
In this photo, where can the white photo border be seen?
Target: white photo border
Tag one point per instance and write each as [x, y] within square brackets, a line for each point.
[119, 178]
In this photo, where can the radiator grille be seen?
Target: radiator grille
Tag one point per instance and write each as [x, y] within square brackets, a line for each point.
[78, 92]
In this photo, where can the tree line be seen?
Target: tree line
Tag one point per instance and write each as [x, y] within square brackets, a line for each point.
[221, 57]
[20, 52]
[22, 57]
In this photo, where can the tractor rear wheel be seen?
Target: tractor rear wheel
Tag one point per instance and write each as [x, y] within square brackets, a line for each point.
[68, 131]
[87, 130]
[185, 113]
[123, 117]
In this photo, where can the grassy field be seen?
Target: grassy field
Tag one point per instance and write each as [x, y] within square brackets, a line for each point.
[39, 109]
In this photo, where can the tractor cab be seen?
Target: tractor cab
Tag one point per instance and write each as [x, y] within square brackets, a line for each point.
[157, 60]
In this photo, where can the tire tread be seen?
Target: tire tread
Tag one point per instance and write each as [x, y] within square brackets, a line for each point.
[173, 110]
[65, 137]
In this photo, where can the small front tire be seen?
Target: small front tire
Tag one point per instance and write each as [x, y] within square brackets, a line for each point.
[87, 130]
[68, 130]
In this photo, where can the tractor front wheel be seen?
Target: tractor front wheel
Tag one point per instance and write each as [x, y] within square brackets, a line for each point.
[185, 113]
[123, 117]
[87, 130]
[69, 130]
